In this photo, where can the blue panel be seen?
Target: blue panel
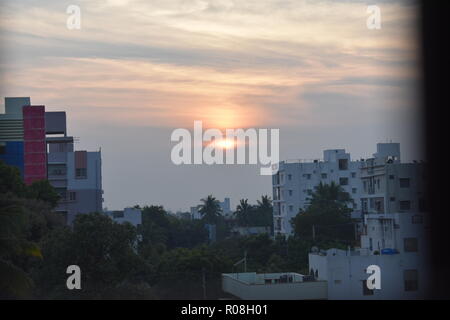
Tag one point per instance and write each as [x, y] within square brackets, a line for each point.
[14, 155]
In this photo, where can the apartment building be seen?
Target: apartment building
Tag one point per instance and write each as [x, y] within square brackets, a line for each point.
[394, 237]
[36, 142]
[391, 186]
[296, 179]
[396, 243]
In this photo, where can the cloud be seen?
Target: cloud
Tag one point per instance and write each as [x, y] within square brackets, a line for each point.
[289, 64]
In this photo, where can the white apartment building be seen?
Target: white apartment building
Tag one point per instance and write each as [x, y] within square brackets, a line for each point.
[394, 236]
[399, 249]
[296, 180]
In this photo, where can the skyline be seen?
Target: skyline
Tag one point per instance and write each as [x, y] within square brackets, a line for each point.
[313, 70]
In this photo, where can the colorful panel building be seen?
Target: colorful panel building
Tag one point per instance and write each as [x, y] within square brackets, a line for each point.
[36, 142]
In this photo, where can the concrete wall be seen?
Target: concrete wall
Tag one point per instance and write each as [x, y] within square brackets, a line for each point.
[282, 291]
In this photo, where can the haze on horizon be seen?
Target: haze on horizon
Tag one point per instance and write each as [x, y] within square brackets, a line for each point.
[138, 69]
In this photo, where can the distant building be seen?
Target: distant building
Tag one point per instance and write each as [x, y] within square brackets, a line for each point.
[131, 215]
[36, 142]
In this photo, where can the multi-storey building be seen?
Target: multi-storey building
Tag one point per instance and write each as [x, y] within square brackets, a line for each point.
[394, 236]
[394, 242]
[296, 179]
[36, 142]
[391, 186]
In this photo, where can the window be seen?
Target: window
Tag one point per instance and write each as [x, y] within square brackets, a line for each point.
[366, 291]
[343, 181]
[72, 196]
[2, 148]
[290, 193]
[411, 278]
[405, 205]
[323, 175]
[291, 208]
[354, 190]
[410, 244]
[353, 174]
[392, 198]
[343, 164]
[417, 219]
[309, 191]
[81, 173]
[289, 177]
[404, 183]
[307, 176]
[391, 177]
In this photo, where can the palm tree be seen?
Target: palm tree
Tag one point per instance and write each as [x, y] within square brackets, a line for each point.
[210, 209]
[265, 211]
[265, 203]
[243, 211]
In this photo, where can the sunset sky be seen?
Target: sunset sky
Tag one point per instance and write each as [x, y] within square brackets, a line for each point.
[137, 69]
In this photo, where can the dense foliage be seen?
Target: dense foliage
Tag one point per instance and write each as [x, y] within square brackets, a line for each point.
[163, 258]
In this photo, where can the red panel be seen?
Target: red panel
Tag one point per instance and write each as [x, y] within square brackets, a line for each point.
[35, 151]
[35, 157]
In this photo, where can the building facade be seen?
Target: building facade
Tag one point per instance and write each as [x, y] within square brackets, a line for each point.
[130, 215]
[295, 181]
[394, 237]
[36, 142]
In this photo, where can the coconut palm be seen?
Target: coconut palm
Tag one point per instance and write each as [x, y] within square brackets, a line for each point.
[243, 212]
[210, 209]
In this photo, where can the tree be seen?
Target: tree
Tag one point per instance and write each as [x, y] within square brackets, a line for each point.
[25, 219]
[10, 180]
[243, 213]
[264, 212]
[14, 281]
[210, 209]
[104, 250]
[43, 190]
[327, 213]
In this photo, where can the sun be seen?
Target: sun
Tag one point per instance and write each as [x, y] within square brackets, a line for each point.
[225, 143]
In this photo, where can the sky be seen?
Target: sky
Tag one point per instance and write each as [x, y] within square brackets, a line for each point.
[136, 70]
